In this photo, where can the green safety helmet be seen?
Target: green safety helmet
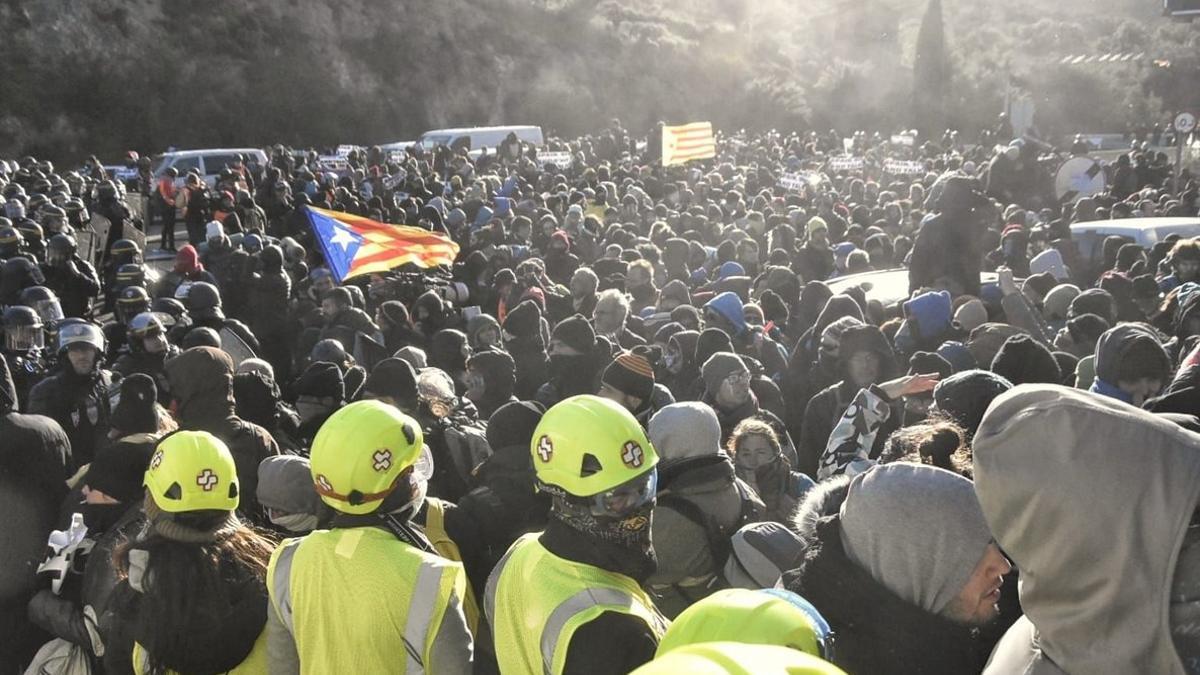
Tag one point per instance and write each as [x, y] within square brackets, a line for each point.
[192, 471]
[359, 454]
[771, 617]
[737, 658]
[587, 445]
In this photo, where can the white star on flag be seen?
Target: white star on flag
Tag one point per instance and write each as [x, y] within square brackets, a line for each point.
[343, 237]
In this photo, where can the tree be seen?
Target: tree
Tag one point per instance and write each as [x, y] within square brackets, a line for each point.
[931, 73]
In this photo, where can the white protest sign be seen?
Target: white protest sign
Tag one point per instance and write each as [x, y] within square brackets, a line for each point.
[345, 150]
[561, 159]
[904, 167]
[797, 180]
[333, 163]
[390, 182]
[903, 139]
[845, 163]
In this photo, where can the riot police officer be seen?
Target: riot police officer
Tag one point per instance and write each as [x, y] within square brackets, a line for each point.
[71, 277]
[77, 395]
[147, 351]
[24, 343]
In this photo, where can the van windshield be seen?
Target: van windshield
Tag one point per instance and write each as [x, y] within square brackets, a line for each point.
[159, 163]
[431, 142]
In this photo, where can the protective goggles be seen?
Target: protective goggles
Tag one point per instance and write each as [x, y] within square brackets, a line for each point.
[626, 497]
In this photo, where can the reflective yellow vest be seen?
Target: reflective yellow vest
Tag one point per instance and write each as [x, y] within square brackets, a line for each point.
[359, 600]
[535, 601]
[255, 663]
[435, 531]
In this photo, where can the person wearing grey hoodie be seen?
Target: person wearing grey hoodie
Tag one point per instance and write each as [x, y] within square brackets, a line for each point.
[1102, 524]
[700, 504]
[900, 562]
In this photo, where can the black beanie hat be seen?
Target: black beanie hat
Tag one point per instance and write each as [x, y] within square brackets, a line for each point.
[118, 470]
[965, 396]
[1093, 301]
[1041, 283]
[524, 320]
[924, 363]
[323, 380]
[576, 333]
[513, 424]
[137, 411]
[1023, 360]
[394, 378]
[630, 374]
[774, 308]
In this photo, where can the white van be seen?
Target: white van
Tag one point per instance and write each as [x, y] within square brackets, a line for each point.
[208, 163]
[478, 138]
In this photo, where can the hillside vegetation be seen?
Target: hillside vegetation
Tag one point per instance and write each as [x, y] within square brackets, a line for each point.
[83, 76]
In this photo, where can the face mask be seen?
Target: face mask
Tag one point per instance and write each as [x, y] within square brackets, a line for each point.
[295, 522]
[564, 364]
[625, 542]
[672, 361]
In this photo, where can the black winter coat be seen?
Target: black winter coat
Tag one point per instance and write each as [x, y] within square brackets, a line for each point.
[875, 630]
[80, 405]
[33, 471]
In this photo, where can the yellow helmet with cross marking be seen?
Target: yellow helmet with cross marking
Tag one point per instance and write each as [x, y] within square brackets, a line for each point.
[589, 446]
[359, 454]
[192, 471]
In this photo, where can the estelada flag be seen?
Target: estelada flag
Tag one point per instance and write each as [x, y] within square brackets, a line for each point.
[354, 245]
[687, 142]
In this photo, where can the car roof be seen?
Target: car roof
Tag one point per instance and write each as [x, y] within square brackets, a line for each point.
[1133, 226]
[468, 130]
[211, 151]
[886, 286]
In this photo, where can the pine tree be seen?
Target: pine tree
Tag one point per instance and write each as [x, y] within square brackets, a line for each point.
[931, 74]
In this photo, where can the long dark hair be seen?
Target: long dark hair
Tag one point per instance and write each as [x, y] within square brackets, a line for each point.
[187, 585]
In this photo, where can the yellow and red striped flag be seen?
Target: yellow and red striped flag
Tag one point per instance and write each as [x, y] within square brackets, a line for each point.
[354, 245]
[686, 142]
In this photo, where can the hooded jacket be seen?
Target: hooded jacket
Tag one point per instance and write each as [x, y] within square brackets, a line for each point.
[202, 386]
[695, 478]
[806, 375]
[877, 631]
[827, 407]
[1111, 350]
[1095, 522]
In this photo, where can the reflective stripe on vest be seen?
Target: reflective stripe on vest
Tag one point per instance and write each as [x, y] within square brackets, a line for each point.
[536, 601]
[581, 601]
[427, 584]
[281, 581]
[420, 615]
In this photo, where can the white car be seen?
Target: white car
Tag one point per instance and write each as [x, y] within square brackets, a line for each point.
[479, 138]
[207, 162]
[1145, 232]
[887, 286]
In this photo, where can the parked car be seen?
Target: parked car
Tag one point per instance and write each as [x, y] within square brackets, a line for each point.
[888, 286]
[1145, 232]
[207, 162]
[478, 139]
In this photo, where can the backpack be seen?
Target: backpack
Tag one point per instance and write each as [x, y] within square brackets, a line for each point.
[468, 446]
[719, 543]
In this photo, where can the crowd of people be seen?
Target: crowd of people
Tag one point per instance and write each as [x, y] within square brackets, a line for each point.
[632, 429]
